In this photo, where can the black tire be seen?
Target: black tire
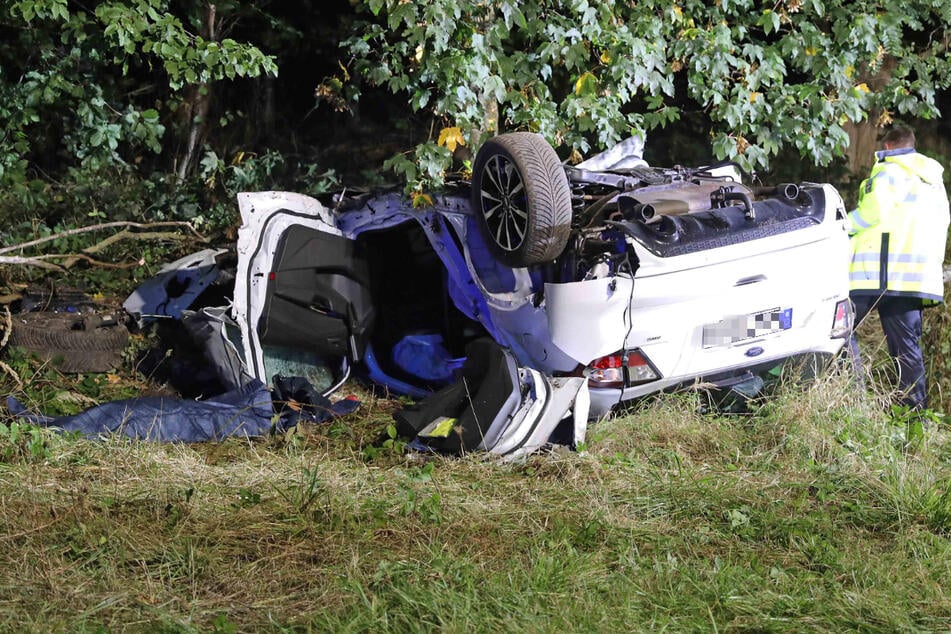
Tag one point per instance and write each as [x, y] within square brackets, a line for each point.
[59, 338]
[521, 199]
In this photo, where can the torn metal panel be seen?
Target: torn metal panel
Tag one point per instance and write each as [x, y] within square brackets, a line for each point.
[174, 288]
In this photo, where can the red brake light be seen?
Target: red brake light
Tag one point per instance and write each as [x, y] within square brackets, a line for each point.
[610, 361]
[621, 369]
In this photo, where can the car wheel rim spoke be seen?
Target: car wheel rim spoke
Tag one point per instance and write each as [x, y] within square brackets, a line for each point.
[494, 199]
[502, 195]
[492, 170]
[519, 231]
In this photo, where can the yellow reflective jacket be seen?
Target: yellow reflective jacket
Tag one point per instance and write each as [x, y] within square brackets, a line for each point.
[900, 228]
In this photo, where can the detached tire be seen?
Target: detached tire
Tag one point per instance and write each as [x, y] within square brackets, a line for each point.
[59, 338]
[521, 199]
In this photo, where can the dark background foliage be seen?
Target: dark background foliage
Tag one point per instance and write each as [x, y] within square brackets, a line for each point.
[159, 109]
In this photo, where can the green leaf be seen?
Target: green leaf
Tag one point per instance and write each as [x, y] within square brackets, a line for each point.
[587, 84]
[769, 21]
[402, 13]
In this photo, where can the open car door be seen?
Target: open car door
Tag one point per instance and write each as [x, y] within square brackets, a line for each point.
[302, 293]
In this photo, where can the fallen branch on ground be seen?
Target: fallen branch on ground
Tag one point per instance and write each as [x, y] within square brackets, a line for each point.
[42, 261]
[38, 262]
[4, 337]
[106, 225]
[125, 234]
[13, 375]
[7, 327]
[69, 259]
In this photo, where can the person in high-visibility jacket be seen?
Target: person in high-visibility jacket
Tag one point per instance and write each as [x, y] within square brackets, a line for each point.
[898, 239]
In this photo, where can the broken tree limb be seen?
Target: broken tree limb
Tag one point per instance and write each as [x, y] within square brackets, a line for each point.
[72, 258]
[7, 327]
[125, 234]
[69, 259]
[10, 371]
[102, 226]
[24, 261]
[4, 337]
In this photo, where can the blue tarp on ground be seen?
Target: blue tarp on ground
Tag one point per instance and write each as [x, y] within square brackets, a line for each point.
[245, 413]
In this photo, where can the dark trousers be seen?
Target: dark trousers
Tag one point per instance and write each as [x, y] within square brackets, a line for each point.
[901, 321]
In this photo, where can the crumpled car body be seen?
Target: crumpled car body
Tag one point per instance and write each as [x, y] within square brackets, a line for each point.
[174, 288]
[662, 279]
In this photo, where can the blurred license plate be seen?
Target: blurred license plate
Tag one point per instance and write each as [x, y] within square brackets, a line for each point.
[742, 327]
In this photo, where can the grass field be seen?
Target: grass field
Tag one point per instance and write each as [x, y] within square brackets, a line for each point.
[813, 513]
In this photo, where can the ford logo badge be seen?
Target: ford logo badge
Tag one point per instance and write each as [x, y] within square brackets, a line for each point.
[755, 351]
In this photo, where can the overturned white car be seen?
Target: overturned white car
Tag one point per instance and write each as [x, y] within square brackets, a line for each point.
[637, 279]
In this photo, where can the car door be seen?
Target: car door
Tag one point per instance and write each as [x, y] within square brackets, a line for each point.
[302, 293]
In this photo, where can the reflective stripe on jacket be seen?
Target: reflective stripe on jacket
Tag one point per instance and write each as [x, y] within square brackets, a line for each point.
[900, 225]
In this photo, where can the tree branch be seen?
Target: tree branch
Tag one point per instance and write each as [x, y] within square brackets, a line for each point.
[99, 227]
[12, 373]
[4, 338]
[72, 258]
[69, 259]
[7, 327]
[131, 235]
[37, 262]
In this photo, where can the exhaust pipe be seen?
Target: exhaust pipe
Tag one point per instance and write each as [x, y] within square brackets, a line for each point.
[789, 191]
[652, 211]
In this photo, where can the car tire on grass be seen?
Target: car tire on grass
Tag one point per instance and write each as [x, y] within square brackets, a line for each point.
[521, 199]
[62, 339]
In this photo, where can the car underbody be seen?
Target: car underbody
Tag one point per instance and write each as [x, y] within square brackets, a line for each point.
[665, 278]
[592, 285]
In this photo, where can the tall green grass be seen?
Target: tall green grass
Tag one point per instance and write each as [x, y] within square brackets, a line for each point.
[812, 513]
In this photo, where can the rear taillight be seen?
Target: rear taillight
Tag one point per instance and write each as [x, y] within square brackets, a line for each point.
[606, 372]
[621, 369]
[842, 324]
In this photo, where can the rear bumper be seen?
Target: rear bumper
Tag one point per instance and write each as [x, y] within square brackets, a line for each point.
[603, 400]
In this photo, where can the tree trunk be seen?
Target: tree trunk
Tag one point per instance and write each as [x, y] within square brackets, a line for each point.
[863, 136]
[198, 105]
[261, 124]
[863, 142]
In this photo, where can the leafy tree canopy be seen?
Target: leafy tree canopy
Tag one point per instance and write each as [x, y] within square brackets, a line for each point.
[768, 75]
[71, 79]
